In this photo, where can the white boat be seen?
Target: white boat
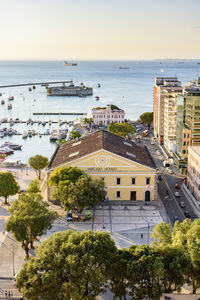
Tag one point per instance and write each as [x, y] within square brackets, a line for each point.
[9, 106]
[25, 135]
[43, 123]
[11, 98]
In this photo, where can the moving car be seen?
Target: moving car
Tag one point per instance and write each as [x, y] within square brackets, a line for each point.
[182, 204]
[177, 194]
[187, 214]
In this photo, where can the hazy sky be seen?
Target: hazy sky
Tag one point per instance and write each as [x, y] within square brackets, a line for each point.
[99, 29]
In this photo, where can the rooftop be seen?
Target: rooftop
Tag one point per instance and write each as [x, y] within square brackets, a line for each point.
[98, 140]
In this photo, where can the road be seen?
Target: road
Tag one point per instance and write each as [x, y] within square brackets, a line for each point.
[167, 185]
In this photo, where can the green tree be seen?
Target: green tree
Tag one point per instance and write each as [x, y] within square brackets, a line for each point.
[62, 142]
[34, 187]
[64, 174]
[84, 193]
[161, 235]
[88, 121]
[38, 162]
[147, 267]
[175, 263]
[147, 118]
[122, 129]
[8, 185]
[30, 218]
[68, 265]
[75, 134]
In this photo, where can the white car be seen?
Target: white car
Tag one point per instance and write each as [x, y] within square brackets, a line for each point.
[170, 171]
[152, 143]
[177, 194]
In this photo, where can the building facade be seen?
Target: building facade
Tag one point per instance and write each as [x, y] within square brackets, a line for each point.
[170, 109]
[188, 122]
[127, 169]
[168, 87]
[103, 116]
[193, 175]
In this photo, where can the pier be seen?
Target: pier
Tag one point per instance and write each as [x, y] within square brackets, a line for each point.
[60, 114]
[35, 83]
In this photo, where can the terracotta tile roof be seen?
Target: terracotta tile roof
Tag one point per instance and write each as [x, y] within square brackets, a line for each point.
[98, 140]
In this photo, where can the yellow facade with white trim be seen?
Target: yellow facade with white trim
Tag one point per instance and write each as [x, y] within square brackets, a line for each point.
[118, 174]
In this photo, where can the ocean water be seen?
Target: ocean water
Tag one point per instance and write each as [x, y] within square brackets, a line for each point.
[130, 89]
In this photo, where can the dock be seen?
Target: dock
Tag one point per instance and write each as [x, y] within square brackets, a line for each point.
[35, 83]
[60, 114]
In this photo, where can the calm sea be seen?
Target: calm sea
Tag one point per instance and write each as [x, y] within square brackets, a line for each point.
[130, 89]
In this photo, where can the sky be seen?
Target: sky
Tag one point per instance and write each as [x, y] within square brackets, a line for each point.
[99, 29]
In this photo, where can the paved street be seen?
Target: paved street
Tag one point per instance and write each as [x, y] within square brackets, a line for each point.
[170, 202]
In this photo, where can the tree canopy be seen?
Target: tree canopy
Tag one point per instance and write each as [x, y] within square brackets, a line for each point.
[185, 236]
[68, 265]
[75, 134]
[122, 129]
[147, 118]
[64, 174]
[38, 162]
[8, 185]
[29, 217]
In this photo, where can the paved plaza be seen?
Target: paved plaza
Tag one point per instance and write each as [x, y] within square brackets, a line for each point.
[127, 224]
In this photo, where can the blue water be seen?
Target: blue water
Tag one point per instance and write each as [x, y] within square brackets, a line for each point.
[130, 89]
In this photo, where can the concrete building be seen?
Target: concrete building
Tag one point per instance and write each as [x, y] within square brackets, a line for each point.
[193, 174]
[180, 297]
[103, 116]
[170, 109]
[163, 87]
[127, 169]
[188, 122]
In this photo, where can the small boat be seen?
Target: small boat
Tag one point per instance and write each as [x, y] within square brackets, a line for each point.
[50, 122]
[40, 135]
[43, 123]
[9, 106]
[66, 63]
[34, 87]
[39, 122]
[2, 102]
[96, 98]
[0, 94]
[31, 122]
[198, 63]
[11, 98]
[30, 89]
[12, 146]
[25, 135]
[98, 85]
[2, 134]
[6, 150]
[30, 135]
[124, 68]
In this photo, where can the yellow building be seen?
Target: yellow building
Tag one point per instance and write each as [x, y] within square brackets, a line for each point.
[126, 168]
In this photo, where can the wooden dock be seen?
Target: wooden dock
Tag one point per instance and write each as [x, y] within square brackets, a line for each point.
[35, 83]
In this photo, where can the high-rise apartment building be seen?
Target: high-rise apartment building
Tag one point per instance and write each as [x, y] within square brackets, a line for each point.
[188, 122]
[164, 87]
[193, 175]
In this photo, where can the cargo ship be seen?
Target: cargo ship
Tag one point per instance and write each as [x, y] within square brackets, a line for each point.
[70, 90]
[66, 63]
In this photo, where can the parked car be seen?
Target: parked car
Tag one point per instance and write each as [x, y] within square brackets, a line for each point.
[177, 186]
[176, 218]
[22, 191]
[177, 194]
[187, 214]
[182, 204]
[152, 143]
[170, 171]
[69, 217]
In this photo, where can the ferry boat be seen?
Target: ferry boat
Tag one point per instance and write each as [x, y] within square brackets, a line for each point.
[70, 90]
[66, 63]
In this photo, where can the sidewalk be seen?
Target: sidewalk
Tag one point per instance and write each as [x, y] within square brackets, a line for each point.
[194, 203]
